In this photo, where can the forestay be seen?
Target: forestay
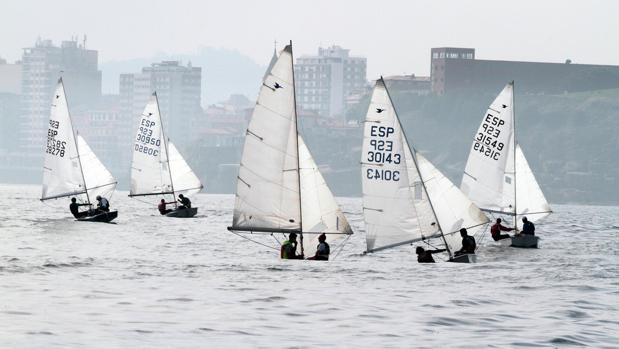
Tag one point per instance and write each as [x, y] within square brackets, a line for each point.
[99, 180]
[62, 174]
[396, 207]
[267, 192]
[321, 213]
[530, 198]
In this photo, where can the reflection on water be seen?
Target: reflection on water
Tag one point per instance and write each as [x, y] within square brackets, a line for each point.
[151, 281]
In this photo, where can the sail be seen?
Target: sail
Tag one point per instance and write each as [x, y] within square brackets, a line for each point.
[99, 181]
[321, 212]
[62, 174]
[530, 200]
[267, 192]
[149, 167]
[396, 207]
[452, 208]
[486, 172]
[184, 179]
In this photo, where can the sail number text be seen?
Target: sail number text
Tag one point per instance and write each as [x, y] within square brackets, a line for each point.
[145, 141]
[55, 147]
[381, 152]
[486, 142]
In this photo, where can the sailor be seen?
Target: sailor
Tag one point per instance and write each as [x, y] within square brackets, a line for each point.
[103, 204]
[74, 207]
[468, 243]
[185, 202]
[162, 208]
[425, 256]
[496, 230]
[528, 228]
[289, 248]
[323, 250]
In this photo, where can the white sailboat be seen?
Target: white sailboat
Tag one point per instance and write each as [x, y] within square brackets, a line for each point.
[497, 176]
[405, 198]
[71, 168]
[279, 186]
[158, 169]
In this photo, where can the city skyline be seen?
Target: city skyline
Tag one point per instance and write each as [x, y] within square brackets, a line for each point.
[399, 45]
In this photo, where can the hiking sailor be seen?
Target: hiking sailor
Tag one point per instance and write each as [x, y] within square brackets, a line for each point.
[289, 248]
[162, 207]
[103, 204]
[468, 244]
[185, 202]
[496, 230]
[323, 250]
[425, 256]
[75, 210]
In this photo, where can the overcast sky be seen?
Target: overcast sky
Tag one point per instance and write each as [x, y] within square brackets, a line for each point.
[395, 36]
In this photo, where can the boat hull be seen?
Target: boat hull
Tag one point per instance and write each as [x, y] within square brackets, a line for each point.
[525, 241]
[183, 213]
[464, 258]
[103, 217]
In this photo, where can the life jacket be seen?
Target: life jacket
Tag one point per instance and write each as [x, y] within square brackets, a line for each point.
[288, 250]
[104, 203]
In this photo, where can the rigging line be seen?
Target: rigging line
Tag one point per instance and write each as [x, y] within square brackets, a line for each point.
[341, 246]
[254, 241]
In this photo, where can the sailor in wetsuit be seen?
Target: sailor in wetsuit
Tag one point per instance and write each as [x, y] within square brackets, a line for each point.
[162, 207]
[185, 202]
[496, 230]
[323, 250]
[74, 207]
[468, 244]
[289, 248]
[103, 204]
[528, 228]
[425, 256]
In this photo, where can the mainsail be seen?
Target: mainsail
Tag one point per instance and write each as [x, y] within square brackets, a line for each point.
[405, 198]
[157, 167]
[279, 186]
[70, 166]
[497, 176]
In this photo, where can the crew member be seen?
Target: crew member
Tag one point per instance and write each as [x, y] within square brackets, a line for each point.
[289, 248]
[323, 250]
[103, 205]
[185, 202]
[496, 230]
[528, 228]
[162, 207]
[425, 256]
[468, 243]
[74, 207]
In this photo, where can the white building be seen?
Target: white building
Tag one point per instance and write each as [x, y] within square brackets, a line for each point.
[323, 82]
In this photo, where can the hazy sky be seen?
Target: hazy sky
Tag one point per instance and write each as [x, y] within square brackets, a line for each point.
[395, 36]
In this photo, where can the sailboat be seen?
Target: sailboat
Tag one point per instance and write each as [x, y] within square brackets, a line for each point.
[405, 198]
[279, 187]
[158, 169]
[497, 176]
[70, 167]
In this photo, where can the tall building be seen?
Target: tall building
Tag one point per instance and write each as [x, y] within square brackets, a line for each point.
[454, 68]
[42, 66]
[10, 90]
[178, 89]
[323, 82]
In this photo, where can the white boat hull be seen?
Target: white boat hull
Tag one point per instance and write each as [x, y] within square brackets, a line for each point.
[464, 258]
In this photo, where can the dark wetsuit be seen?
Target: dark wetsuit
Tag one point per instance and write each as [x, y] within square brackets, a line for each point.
[528, 228]
[162, 208]
[496, 229]
[468, 246]
[103, 205]
[185, 202]
[322, 252]
[426, 256]
[75, 210]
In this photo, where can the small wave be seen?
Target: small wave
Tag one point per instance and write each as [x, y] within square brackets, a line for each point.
[566, 340]
[45, 333]
[179, 299]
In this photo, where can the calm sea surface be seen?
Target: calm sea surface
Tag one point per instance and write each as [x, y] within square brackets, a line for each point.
[156, 282]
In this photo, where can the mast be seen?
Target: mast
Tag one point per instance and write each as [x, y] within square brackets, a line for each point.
[165, 145]
[79, 159]
[514, 154]
[414, 156]
[296, 126]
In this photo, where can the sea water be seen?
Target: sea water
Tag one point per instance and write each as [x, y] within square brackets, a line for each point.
[155, 282]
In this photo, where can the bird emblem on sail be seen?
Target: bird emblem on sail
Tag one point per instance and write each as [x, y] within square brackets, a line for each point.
[380, 110]
[278, 86]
